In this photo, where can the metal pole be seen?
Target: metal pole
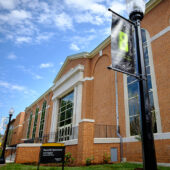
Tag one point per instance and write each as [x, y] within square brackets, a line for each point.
[117, 119]
[149, 157]
[2, 158]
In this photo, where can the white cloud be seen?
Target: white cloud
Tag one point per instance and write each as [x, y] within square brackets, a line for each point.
[17, 88]
[4, 84]
[63, 21]
[15, 17]
[74, 47]
[44, 36]
[87, 5]
[38, 77]
[12, 86]
[20, 40]
[61, 63]
[8, 4]
[20, 14]
[11, 56]
[81, 41]
[118, 6]
[26, 70]
[25, 21]
[89, 18]
[46, 65]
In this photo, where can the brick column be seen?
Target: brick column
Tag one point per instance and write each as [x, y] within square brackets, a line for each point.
[85, 140]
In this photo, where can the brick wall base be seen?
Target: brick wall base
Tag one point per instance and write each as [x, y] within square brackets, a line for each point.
[133, 151]
[27, 155]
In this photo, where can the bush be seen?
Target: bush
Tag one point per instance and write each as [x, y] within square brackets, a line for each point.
[68, 159]
[106, 158]
[89, 161]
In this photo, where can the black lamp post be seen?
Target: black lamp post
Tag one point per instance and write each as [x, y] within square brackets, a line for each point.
[2, 158]
[136, 10]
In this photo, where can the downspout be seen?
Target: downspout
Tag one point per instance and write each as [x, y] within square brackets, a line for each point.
[117, 120]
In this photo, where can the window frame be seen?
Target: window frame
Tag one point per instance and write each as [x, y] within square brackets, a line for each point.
[153, 90]
[35, 123]
[62, 135]
[42, 119]
[29, 125]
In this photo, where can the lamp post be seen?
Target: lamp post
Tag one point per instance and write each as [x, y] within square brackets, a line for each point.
[136, 9]
[2, 158]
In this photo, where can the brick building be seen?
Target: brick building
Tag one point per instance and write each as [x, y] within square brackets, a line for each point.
[80, 108]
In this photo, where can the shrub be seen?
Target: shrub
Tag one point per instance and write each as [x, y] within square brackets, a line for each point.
[89, 161]
[68, 159]
[106, 158]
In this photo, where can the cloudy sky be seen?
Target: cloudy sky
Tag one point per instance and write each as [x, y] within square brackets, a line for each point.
[37, 35]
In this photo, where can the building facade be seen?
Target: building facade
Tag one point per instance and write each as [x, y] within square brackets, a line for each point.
[80, 108]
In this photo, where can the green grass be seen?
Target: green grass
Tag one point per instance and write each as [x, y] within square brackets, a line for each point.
[118, 166]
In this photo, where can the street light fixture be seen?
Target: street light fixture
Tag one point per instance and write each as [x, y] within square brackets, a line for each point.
[2, 158]
[136, 9]
[11, 111]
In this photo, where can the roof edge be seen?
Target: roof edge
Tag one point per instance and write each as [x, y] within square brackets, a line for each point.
[101, 46]
[71, 57]
[151, 4]
[46, 92]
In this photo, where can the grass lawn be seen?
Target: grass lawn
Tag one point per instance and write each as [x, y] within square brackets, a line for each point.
[118, 166]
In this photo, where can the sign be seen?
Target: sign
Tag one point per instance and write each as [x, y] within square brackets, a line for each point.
[122, 45]
[52, 153]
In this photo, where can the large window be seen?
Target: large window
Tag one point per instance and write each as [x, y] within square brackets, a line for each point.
[29, 126]
[65, 117]
[35, 123]
[133, 95]
[42, 120]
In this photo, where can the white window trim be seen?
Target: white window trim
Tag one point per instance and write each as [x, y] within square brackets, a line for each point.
[72, 80]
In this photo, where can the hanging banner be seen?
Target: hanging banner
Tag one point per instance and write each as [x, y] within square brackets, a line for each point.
[122, 45]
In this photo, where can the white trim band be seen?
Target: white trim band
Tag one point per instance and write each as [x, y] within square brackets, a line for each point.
[88, 78]
[29, 145]
[87, 120]
[157, 136]
[71, 142]
[106, 140]
[161, 33]
[8, 148]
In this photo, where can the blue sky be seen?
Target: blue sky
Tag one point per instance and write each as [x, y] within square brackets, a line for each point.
[36, 36]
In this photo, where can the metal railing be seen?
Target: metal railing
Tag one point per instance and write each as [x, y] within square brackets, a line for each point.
[104, 131]
[55, 137]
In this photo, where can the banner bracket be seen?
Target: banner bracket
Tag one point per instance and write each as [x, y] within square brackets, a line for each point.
[121, 16]
[139, 77]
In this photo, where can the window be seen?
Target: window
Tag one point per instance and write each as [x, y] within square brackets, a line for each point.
[29, 126]
[42, 120]
[65, 117]
[133, 94]
[35, 123]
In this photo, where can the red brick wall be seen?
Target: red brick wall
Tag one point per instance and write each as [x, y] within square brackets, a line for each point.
[132, 151]
[101, 149]
[27, 155]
